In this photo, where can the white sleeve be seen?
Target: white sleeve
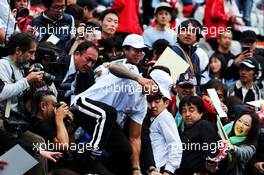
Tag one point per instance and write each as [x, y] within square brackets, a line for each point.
[73, 30]
[146, 38]
[204, 59]
[139, 111]
[174, 145]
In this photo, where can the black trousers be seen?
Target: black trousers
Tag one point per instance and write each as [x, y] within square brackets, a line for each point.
[119, 149]
[97, 119]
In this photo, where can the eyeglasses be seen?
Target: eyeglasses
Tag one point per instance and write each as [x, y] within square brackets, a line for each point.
[138, 50]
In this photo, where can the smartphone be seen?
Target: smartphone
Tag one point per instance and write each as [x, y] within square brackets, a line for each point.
[246, 48]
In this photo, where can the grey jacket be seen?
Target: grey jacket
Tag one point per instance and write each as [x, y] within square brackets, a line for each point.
[13, 85]
[243, 153]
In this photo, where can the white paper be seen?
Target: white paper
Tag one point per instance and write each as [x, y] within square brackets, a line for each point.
[174, 62]
[216, 102]
[53, 39]
[19, 161]
[256, 103]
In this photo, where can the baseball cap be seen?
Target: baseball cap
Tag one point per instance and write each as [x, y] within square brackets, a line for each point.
[163, 80]
[186, 78]
[163, 6]
[248, 35]
[134, 40]
[250, 63]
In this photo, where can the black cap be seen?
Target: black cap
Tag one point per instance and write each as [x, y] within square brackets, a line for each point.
[248, 35]
[250, 63]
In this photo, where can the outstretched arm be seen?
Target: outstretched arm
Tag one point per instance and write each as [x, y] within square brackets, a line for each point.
[121, 71]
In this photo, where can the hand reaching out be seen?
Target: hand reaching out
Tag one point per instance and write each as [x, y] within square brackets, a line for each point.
[148, 85]
[53, 156]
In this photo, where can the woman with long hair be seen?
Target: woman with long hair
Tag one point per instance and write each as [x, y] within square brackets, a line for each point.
[216, 69]
[242, 135]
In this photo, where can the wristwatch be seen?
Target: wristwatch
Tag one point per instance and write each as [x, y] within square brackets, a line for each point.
[135, 168]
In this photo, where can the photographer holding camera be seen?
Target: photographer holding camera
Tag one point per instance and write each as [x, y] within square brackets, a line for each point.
[13, 83]
[47, 112]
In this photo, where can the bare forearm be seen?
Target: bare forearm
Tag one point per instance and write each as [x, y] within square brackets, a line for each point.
[136, 147]
[62, 137]
[122, 72]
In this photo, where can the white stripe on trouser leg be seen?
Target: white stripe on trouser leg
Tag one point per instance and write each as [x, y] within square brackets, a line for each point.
[100, 125]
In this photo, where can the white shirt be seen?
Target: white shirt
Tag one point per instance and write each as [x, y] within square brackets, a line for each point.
[204, 59]
[8, 20]
[124, 95]
[166, 142]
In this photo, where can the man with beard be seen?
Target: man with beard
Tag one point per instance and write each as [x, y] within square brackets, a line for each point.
[224, 44]
[22, 48]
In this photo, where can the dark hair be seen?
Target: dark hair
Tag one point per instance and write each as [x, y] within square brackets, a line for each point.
[221, 58]
[106, 12]
[22, 40]
[252, 135]
[47, 3]
[84, 46]
[112, 42]
[217, 85]
[13, 4]
[90, 4]
[37, 98]
[160, 45]
[75, 10]
[195, 23]
[157, 96]
[163, 68]
[192, 100]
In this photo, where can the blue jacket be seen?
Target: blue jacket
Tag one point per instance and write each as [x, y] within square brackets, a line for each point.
[62, 28]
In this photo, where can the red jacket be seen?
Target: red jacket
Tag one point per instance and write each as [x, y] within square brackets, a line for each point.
[128, 11]
[215, 18]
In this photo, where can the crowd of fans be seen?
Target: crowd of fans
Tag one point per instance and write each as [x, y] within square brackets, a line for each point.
[80, 91]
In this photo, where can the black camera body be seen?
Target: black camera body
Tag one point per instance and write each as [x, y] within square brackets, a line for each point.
[48, 78]
[22, 13]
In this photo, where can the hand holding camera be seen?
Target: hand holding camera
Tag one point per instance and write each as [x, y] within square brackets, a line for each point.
[35, 76]
[62, 112]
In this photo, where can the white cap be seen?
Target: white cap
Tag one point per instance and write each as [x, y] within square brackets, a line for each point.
[134, 40]
[163, 5]
[163, 80]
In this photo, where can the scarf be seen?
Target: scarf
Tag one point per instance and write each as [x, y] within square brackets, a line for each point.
[233, 139]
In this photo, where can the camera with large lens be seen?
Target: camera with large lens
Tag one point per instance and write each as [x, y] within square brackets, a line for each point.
[48, 78]
[22, 13]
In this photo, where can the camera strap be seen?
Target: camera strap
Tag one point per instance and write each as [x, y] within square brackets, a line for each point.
[8, 103]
